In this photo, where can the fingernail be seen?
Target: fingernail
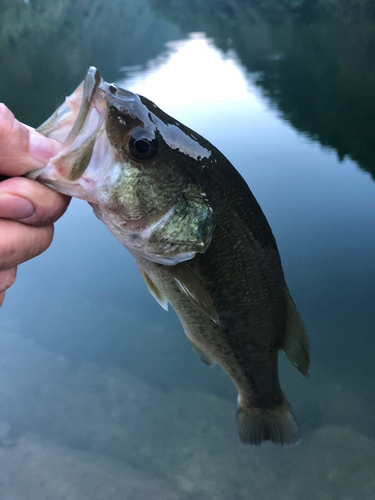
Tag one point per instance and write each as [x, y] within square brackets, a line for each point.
[15, 207]
[41, 148]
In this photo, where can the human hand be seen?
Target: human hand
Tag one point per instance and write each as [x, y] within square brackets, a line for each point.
[27, 209]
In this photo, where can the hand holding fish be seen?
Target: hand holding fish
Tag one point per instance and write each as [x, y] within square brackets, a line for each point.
[27, 208]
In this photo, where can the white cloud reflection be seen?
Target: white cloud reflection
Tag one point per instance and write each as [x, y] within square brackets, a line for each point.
[192, 71]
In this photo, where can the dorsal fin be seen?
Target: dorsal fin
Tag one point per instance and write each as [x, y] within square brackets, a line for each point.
[296, 342]
[190, 285]
[154, 290]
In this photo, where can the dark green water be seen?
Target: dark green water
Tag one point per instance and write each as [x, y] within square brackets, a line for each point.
[98, 382]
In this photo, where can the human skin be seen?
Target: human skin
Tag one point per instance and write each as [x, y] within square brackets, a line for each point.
[27, 209]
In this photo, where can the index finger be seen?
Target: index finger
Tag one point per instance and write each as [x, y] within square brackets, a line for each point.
[21, 148]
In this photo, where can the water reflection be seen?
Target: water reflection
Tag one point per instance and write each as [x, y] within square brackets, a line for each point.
[314, 61]
[190, 71]
[97, 381]
[46, 48]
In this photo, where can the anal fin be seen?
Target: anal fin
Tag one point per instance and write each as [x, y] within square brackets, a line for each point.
[204, 357]
[296, 342]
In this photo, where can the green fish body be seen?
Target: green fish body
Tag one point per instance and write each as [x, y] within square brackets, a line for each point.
[198, 235]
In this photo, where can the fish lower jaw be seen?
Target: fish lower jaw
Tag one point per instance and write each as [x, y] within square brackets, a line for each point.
[74, 189]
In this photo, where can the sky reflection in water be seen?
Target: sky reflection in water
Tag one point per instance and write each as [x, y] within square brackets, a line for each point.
[84, 300]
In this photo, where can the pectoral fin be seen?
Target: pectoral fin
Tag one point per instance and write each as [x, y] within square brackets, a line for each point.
[205, 358]
[190, 285]
[154, 290]
[296, 343]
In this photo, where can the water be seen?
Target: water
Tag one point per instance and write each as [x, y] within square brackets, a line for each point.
[97, 383]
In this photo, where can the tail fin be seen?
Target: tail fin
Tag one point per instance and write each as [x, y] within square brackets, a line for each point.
[277, 425]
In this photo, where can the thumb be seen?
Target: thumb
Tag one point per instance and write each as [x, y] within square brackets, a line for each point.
[21, 148]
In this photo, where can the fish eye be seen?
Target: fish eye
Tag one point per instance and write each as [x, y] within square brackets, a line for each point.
[143, 148]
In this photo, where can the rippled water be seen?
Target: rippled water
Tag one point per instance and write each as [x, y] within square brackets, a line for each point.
[99, 388]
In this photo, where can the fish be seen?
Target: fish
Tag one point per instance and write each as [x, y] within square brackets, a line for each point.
[197, 234]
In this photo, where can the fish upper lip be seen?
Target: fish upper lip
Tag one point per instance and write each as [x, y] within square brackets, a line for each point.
[120, 98]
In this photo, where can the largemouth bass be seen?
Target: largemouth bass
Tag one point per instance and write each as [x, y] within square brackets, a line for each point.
[199, 238]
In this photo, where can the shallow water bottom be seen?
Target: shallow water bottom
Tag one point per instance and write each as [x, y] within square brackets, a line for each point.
[95, 431]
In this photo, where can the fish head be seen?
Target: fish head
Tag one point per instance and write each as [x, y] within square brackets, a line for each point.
[127, 158]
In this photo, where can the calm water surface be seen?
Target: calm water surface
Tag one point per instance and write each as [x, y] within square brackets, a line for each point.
[99, 388]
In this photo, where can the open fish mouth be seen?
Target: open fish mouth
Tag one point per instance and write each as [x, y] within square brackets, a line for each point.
[86, 154]
[80, 125]
[77, 124]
